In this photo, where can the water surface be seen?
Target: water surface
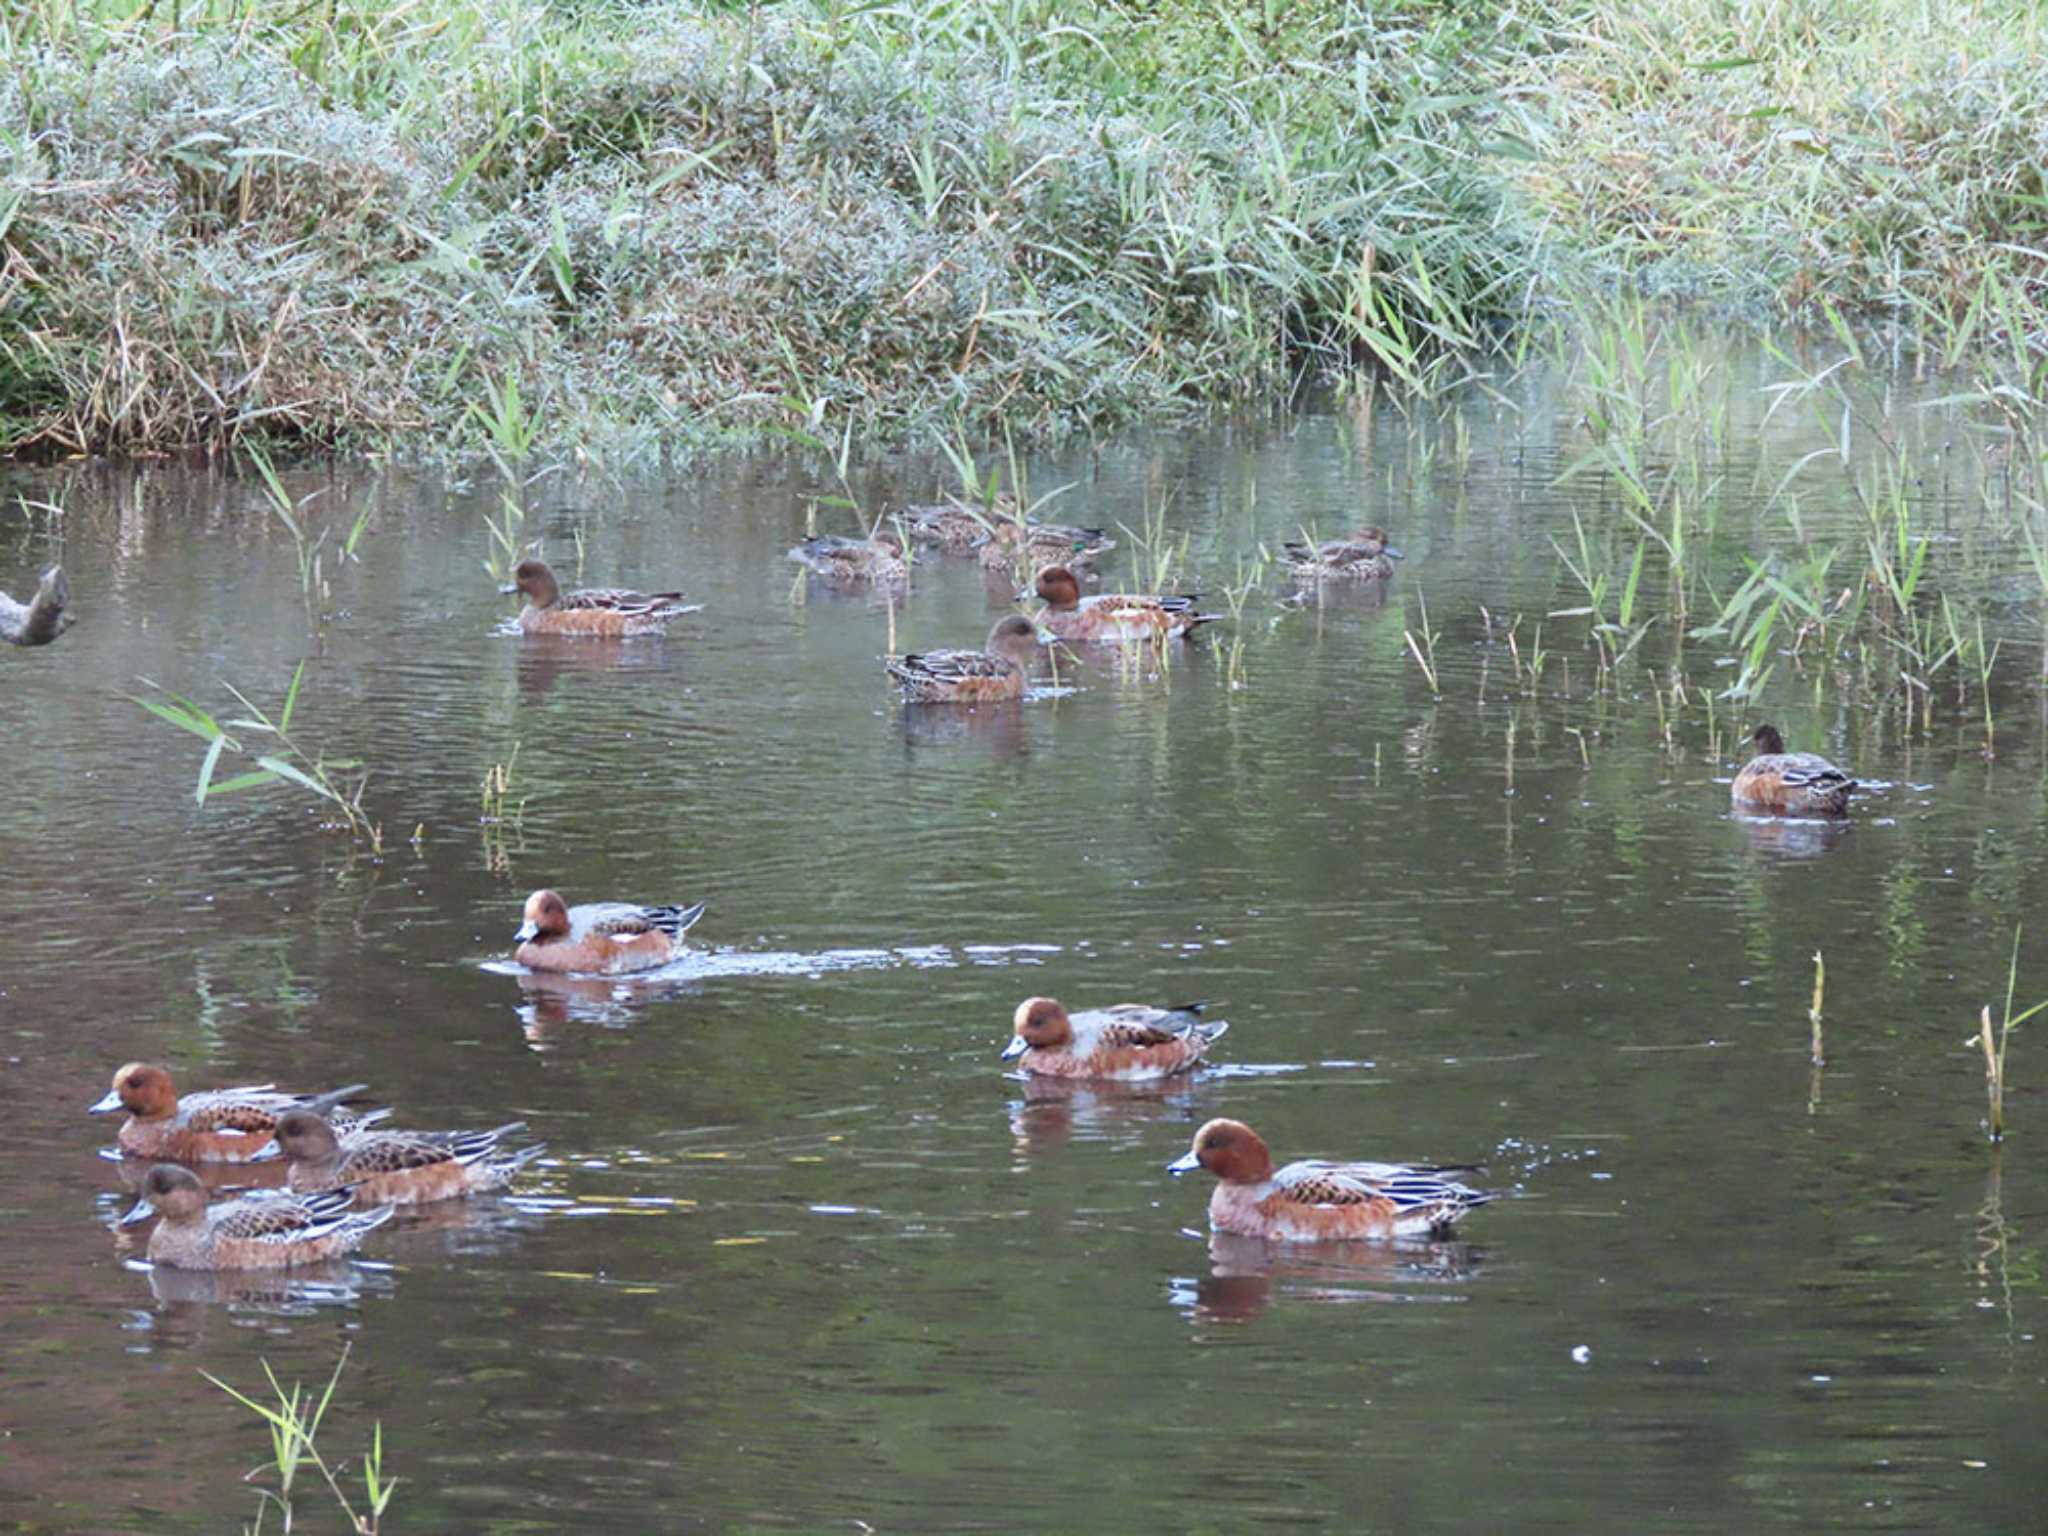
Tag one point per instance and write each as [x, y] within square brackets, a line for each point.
[802, 1256]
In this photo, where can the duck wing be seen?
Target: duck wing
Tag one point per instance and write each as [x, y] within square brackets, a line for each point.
[1142, 1023]
[282, 1218]
[616, 600]
[950, 667]
[1319, 1183]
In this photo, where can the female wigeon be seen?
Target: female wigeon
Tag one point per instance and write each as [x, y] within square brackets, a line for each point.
[1361, 556]
[1800, 782]
[274, 1231]
[1014, 545]
[1313, 1202]
[970, 677]
[879, 558]
[957, 527]
[397, 1167]
[604, 938]
[226, 1125]
[607, 613]
[1129, 1042]
[1111, 615]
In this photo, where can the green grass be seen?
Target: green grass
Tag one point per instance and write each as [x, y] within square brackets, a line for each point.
[1860, 155]
[524, 226]
[506, 224]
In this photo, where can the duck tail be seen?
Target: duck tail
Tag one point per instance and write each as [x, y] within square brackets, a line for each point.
[321, 1103]
[675, 921]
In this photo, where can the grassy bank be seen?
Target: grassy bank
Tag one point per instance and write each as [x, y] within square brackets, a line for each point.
[1877, 157]
[586, 223]
[355, 223]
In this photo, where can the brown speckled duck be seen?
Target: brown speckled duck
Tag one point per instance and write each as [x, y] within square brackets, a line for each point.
[998, 671]
[1111, 616]
[605, 613]
[1800, 782]
[1364, 555]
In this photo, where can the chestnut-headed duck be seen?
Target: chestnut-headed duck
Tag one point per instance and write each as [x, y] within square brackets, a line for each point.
[397, 1167]
[878, 558]
[1111, 615]
[1128, 1042]
[1800, 782]
[957, 527]
[970, 677]
[1313, 1202]
[225, 1125]
[273, 1231]
[1364, 555]
[1015, 545]
[602, 938]
[606, 613]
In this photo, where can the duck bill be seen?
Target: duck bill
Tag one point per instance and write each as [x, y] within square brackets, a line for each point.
[269, 1152]
[1185, 1164]
[105, 1106]
[1392, 553]
[142, 1211]
[1017, 1047]
[527, 933]
[510, 588]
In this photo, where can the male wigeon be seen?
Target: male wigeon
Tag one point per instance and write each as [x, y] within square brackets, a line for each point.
[605, 613]
[1800, 782]
[957, 527]
[1014, 545]
[397, 1167]
[225, 1125]
[605, 938]
[1111, 615]
[879, 558]
[1313, 1202]
[970, 677]
[1130, 1042]
[1364, 555]
[273, 1231]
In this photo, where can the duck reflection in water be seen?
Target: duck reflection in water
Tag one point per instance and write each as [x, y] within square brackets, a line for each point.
[554, 1001]
[545, 659]
[1793, 837]
[1246, 1274]
[998, 728]
[1054, 1110]
[276, 1292]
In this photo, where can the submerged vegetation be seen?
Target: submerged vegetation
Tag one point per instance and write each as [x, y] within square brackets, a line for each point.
[522, 223]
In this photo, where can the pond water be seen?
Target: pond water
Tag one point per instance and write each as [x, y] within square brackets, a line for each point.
[801, 1255]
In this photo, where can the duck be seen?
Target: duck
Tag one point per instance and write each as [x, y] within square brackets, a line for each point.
[997, 671]
[397, 1167]
[1800, 782]
[1011, 544]
[1112, 615]
[1313, 1202]
[222, 1125]
[606, 613]
[878, 558]
[1362, 555]
[1127, 1042]
[955, 526]
[272, 1231]
[604, 938]
[44, 617]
